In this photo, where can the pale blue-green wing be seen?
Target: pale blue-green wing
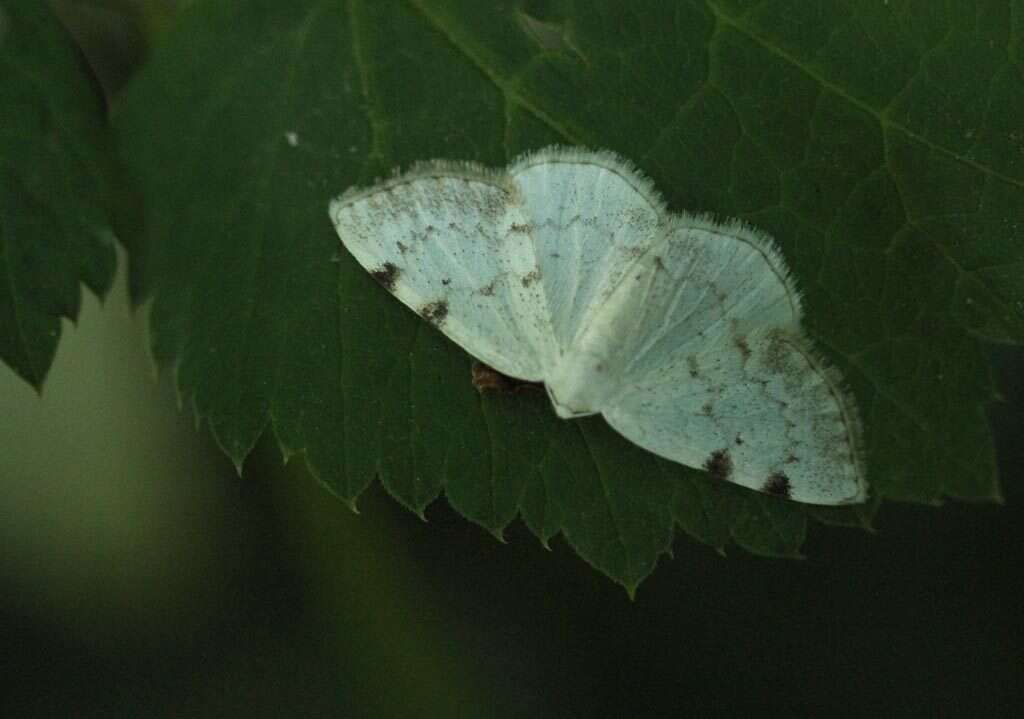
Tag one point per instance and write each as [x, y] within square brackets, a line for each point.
[591, 216]
[712, 369]
[701, 281]
[776, 420]
[450, 241]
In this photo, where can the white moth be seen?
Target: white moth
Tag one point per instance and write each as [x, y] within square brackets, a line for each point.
[566, 268]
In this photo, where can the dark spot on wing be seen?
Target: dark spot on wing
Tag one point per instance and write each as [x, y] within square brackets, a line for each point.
[777, 484]
[720, 295]
[387, 274]
[719, 464]
[435, 312]
[691, 362]
[531, 278]
[742, 346]
[776, 356]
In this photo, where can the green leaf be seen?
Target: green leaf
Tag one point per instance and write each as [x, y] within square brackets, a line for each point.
[876, 141]
[55, 186]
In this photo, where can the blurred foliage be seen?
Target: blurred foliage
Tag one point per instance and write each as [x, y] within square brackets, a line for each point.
[56, 186]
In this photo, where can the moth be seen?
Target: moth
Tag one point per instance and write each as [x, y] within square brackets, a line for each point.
[682, 331]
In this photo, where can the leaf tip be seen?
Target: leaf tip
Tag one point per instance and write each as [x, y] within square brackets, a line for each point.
[36, 383]
[236, 457]
[351, 503]
[33, 370]
[286, 453]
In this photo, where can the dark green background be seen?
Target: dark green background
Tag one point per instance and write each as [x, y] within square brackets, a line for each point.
[315, 609]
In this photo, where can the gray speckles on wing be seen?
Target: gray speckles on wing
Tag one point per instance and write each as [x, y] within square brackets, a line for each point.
[682, 331]
[700, 284]
[589, 227]
[779, 413]
[443, 245]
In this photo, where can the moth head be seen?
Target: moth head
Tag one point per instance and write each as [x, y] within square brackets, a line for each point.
[576, 387]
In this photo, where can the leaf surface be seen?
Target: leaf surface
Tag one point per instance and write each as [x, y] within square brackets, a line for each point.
[891, 175]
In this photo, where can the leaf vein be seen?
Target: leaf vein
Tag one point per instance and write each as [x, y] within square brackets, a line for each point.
[507, 89]
[853, 99]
